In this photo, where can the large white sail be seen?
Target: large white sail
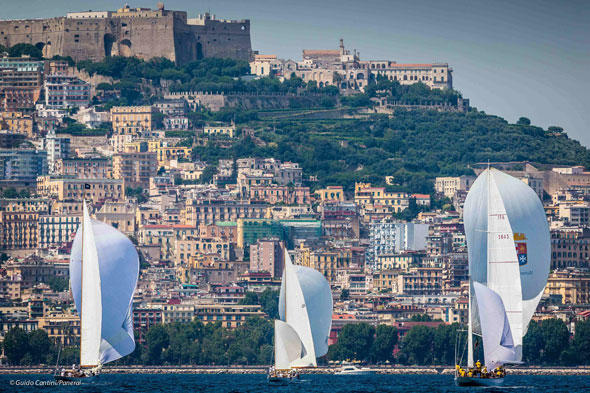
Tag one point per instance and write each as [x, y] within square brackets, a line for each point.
[508, 246]
[503, 275]
[288, 346]
[531, 238]
[306, 305]
[91, 306]
[498, 343]
[103, 286]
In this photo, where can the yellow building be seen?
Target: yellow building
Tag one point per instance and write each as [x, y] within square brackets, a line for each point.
[384, 280]
[18, 230]
[39, 205]
[165, 154]
[401, 261]
[177, 313]
[93, 189]
[191, 248]
[331, 193]
[135, 168]
[229, 315]
[131, 120]
[230, 130]
[419, 281]
[327, 262]
[120, 215]
[369, 198]
[18, 123]
[573, 286]
[63, 328]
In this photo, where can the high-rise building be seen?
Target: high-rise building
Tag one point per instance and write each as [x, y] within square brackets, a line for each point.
[135, 168]
[22, 164]
[131, 120]
[388, 238]
[266, 255]
[57, 148]
[66, 91]
[569, 247]
[21, 81]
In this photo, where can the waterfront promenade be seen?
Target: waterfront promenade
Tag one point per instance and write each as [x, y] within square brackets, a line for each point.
[444, 370]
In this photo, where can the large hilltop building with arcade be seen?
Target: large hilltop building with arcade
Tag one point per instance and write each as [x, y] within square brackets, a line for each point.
[139, 32]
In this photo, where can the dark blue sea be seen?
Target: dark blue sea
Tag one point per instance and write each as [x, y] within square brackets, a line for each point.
[181, 383]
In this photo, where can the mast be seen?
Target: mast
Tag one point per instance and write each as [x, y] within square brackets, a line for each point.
[469, 331]
[82, 279]
[285, 268]
[470, 361]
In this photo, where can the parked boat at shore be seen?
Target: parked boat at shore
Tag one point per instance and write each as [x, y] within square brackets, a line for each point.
[352, 369]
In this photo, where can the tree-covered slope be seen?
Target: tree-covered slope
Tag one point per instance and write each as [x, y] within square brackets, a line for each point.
[413, 146]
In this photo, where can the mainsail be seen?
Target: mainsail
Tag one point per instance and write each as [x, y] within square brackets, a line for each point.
[498, 344]
[104, 267]
[305, 305]
[288, 345]
[508, 246]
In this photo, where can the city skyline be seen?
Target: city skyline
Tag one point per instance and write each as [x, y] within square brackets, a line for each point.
[540, 74]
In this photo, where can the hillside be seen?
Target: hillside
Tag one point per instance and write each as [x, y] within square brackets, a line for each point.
[339, 149]
[413, 146]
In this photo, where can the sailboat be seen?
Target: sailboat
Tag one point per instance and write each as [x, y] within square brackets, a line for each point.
[305, 320]
[104, 267]
[509, 255]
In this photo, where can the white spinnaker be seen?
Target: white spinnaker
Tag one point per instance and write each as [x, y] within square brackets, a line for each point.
[309, 308]
[288, 346]
[91, 306]
[503, 276]
[529, 224]
[115, 278]
[293, 310]
[498, 343]
[530, 230]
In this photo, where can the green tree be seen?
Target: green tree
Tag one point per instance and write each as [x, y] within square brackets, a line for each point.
[355, 342]
[58, 284]
[444, 340]
[19, 50]
[158, 120]
[533, 344]
[385, 341]
[157, 339]
[556, 340]
[16, 345]
[417, 345]
[345, 294]
[581, 342]
[420, 318]
[555, 129]
[136, 192]
[267, 299]
[40, 346]
[523, 121]
[207, 175]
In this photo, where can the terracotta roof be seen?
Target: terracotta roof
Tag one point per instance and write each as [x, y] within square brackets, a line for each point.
[321, 52]
[410, 65]
[160, 226]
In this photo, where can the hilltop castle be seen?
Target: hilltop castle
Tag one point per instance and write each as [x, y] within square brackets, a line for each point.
[140, 32]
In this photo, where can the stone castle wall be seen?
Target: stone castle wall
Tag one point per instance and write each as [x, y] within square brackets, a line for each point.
[153, 34]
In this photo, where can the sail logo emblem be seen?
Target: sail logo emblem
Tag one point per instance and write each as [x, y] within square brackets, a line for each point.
[521, 249]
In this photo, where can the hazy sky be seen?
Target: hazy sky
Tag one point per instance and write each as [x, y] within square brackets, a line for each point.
[511, 58]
